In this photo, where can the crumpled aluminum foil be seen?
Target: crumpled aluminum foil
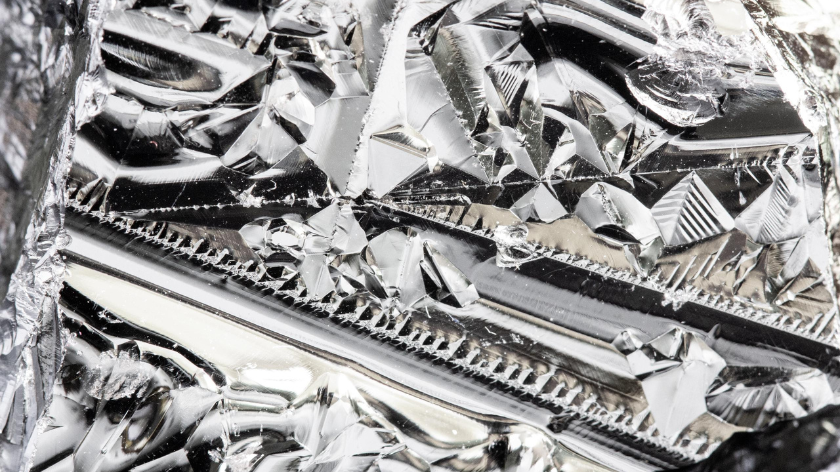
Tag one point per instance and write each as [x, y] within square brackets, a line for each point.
[618, 213]
[49, 87]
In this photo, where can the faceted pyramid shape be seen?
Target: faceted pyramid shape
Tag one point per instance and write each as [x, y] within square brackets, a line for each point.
[396, 155]
[690, 212]
[780, 213]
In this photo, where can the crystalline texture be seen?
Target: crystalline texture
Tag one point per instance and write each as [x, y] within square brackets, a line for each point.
[690, 212]
[676, 369]
[306, 235]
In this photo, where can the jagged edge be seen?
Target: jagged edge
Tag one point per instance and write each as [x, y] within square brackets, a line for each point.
[698, 296]
[588, 410]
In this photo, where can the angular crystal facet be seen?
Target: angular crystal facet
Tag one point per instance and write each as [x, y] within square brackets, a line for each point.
[423, 235]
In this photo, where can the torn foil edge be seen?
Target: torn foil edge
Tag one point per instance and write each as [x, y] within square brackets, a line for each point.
[21, 87]
[31, 346]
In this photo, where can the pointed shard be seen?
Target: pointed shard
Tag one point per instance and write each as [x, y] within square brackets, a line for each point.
[323, 222]
[406, 139]
[585, 147]
[669, 344]
[315, 85]
[808, 291]
[642, 365]
[612, 130]
[334, 137]
[539, 204]
[348, 237]
[689, 212]
[456, 287]
[518, 152]
[338, 228]
[395, 257]
[676, 370]
[261, 145]
[153, 135]
[508, 81]
[395, 155]
[316, 276]
[287, 101]
[616, 213]
[216, 130]
[497, 163]
[524, 207]
[779, 213]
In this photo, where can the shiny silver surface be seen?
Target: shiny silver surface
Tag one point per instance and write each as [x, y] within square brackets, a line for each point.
[127, 283]
[498, 127]
[473, 235]
[229, 396]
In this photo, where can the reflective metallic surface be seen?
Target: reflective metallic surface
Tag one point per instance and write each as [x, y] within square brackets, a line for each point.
[205, 392]
[475, 235]
[521, 133]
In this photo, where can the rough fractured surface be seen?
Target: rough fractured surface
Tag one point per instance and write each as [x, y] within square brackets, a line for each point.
[514, 132]
[608, 209]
